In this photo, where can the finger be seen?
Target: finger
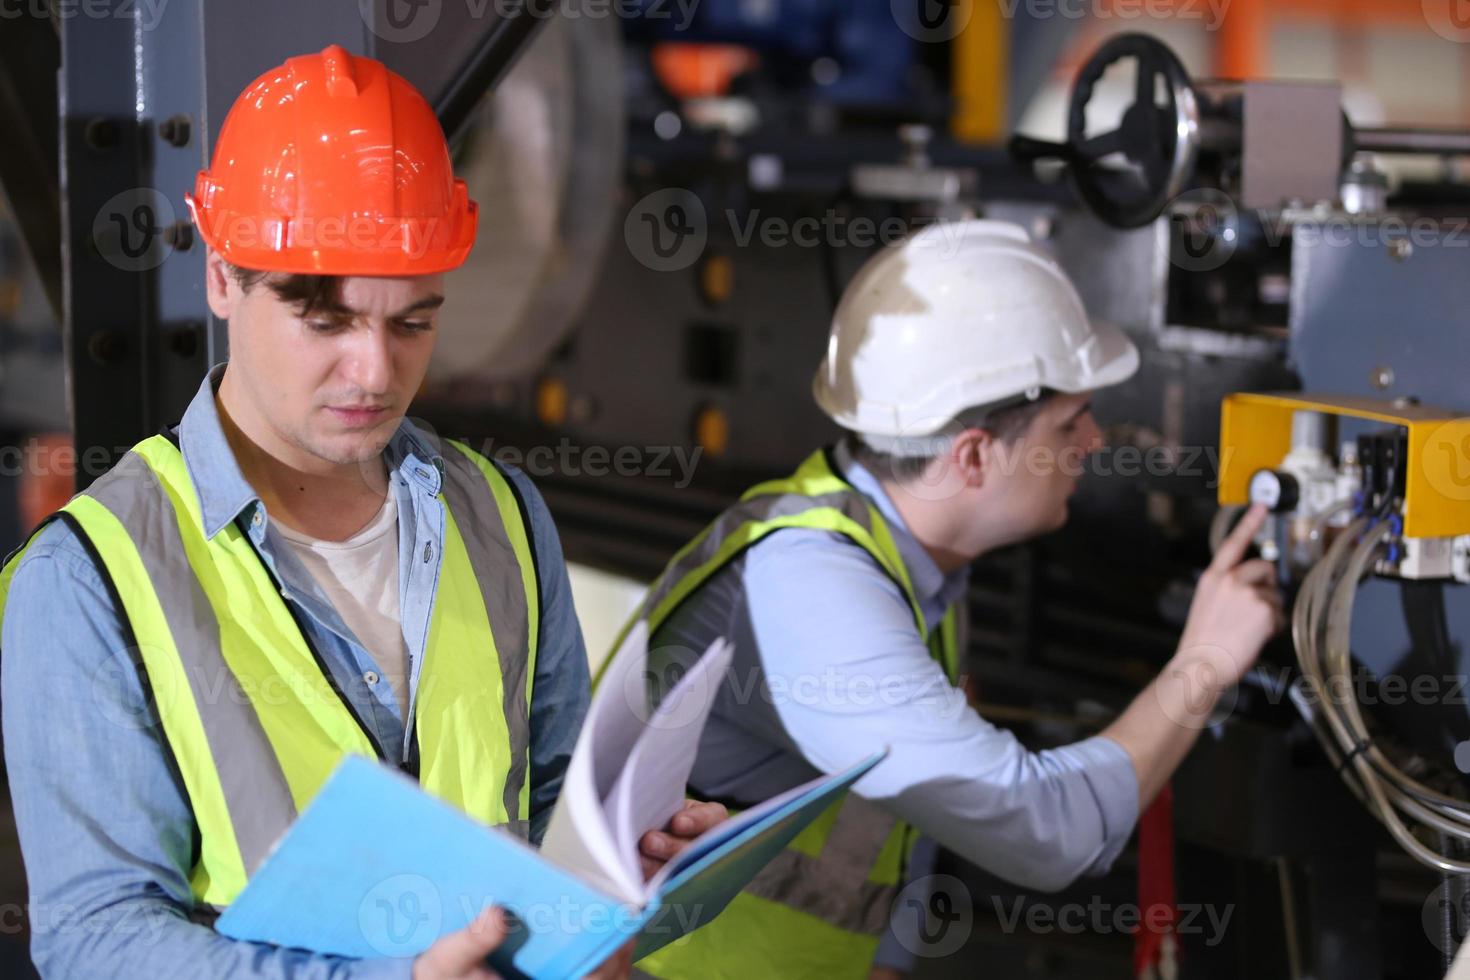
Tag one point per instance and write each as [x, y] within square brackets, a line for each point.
[1255, 572]
[623, 961]
[1273, 598]
[657, 845]
[1238, 542]
[616, 967]
[650, 867]
[465, 950]
[695, 819]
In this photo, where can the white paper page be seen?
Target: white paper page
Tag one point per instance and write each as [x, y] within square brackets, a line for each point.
[652, 786]
[580, 837]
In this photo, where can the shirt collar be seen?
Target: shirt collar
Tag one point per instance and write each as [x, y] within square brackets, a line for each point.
[224, 493]
[929, 580]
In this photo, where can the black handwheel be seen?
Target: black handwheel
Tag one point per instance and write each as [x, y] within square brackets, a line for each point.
[1157, 140]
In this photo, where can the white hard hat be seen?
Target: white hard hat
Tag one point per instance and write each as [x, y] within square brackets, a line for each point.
[961, 315]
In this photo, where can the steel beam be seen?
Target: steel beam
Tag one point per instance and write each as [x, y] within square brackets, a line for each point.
[30, 54]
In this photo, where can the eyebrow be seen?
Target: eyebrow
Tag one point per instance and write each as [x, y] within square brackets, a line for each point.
[338, 309]
[425, 304]
[1081, 411]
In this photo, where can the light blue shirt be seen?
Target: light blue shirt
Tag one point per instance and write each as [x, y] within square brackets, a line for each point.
[829, 668]
[105, 825]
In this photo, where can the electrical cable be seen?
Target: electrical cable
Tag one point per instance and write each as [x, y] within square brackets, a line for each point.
[1321, 631]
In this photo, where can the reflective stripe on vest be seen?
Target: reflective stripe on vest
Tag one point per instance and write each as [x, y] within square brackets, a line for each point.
[847, 867]
[250, 713]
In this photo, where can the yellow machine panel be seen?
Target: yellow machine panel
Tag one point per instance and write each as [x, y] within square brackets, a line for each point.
[1255, 433]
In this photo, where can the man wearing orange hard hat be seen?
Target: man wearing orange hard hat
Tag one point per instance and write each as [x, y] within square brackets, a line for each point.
[293, 573]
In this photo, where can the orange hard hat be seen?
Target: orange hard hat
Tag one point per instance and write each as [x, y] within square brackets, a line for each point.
[334, 165]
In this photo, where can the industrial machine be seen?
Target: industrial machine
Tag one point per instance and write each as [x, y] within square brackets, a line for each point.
[658, 273]
[1390, 503]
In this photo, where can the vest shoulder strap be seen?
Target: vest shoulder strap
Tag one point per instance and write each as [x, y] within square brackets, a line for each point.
[814, 497]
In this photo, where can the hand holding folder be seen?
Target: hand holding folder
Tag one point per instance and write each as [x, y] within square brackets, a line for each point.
[375, 867]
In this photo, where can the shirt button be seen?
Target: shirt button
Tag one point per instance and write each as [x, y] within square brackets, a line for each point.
[371, 677]
[428, 552]
[258, 518]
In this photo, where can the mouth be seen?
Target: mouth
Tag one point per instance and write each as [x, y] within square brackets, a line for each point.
[359, 416]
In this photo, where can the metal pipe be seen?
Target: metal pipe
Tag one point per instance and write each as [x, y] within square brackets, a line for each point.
[1412, 139]
[503, 44]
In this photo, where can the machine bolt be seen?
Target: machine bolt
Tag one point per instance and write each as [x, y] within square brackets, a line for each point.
[101, 134]
[916, 138]
[184, 341]
[1382, 377]
[1399, 249]
[179, 235]
[108, 346]
[175, 130]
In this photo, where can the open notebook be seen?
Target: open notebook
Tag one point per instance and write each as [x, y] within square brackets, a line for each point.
[375, 867]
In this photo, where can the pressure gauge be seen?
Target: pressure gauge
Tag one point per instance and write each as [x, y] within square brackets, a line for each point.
[1278, 491]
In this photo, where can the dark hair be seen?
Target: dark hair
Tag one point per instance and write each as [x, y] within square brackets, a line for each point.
[1008, 424]
[308, 293]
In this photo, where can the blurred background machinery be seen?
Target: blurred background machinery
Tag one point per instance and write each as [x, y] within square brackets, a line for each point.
[674, 196]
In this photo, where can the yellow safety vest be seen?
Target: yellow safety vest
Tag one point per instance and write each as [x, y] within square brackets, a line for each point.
[251, 716]
[820, 908]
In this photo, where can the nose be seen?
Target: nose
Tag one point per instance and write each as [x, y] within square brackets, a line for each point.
[1092, 435]
[369, 365]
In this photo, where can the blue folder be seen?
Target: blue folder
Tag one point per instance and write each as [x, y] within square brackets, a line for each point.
[375, 867]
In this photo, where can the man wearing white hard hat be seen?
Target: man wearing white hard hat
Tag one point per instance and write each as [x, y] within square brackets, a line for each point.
[963, 376]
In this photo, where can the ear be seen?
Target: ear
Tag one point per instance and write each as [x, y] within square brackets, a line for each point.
[970, 456]
[218, 286]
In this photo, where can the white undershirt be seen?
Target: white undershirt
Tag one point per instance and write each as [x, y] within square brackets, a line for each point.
[360, 578]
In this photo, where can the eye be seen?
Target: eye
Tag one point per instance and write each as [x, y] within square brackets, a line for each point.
[325, 326]
[416, 326]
